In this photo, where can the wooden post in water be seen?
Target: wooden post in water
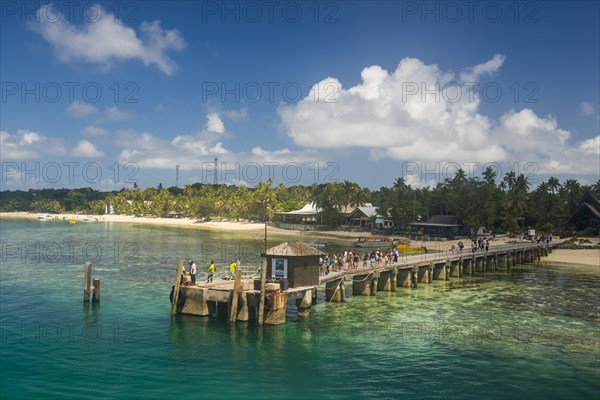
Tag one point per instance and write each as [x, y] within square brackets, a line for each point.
[374, 282]
[87, 278]
[96, 297]
[236, 294]
[176, 287]
[414, 277]
[263, 283]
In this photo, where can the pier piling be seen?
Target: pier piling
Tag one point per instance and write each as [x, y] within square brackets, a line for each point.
[304, 303]
[96, 294]
[235, 295]
[361, 284]
[404, 277]
[439, 271]
[87, 278]
[414, 277]
[175, 287]
[335, 291]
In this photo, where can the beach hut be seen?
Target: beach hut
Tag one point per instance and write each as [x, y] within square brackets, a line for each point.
[366, 217]
[294, 263]
[586, 215]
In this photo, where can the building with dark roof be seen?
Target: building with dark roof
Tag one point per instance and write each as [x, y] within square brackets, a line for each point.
[443, 226]
[366, 217]
[586, 215]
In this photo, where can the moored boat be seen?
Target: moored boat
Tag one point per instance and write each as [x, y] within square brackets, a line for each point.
[373, 241]
[317, 245]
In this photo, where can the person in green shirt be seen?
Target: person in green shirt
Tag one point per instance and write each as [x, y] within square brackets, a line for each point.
[211, 272]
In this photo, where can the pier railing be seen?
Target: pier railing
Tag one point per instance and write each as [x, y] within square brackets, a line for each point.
[441, 254]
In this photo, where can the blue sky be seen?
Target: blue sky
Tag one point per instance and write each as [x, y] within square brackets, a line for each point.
[107, 94]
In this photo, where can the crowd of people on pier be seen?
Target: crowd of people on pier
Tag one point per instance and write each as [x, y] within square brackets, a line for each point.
[352, 260]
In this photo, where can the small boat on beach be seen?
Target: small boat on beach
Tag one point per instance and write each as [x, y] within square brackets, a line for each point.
[317, 245]
[373, 241]
[42, 217]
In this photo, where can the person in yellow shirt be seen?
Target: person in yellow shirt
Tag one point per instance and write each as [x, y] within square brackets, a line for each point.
[211, 272]
[232, 268]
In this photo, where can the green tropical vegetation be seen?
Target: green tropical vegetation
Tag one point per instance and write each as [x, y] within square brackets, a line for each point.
[509, 204]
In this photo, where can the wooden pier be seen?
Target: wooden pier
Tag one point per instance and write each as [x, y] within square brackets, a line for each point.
[238, 300]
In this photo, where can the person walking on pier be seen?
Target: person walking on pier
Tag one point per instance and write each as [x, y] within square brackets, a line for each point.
[211, 272]
[232, 267]
[193, 271]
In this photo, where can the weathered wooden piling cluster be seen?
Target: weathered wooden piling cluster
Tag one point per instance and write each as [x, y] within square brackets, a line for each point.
[239, 300]
[88, 288]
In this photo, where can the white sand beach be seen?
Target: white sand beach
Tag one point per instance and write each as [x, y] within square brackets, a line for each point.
[589, 257]
[252, 227]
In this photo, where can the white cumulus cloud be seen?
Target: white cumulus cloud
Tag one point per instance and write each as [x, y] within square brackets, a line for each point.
[487, 68]
[237, 115]
[586, 108]
[114, 114]
[94, 131]
[197, 150]
[420, 113]
[80, 109]
[214, 123]
[28, 145]
[87, 149]
[107, 41]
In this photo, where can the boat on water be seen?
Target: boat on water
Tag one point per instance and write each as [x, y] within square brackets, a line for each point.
[42, 217]
[72, 221]
[373, 241]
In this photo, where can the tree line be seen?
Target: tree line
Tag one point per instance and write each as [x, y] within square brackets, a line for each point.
[508, 205]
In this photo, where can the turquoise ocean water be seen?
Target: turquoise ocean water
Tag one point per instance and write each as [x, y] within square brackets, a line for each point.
[529, 333]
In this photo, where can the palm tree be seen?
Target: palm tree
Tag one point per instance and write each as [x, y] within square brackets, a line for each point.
[553, 185]
[351, 192]
[489, 176]
[522, 183]
[596, 188]
[425, 197]
[571, 194]
[508, 181]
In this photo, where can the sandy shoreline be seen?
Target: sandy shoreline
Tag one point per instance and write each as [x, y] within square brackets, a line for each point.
[589, 257]
[251, 227]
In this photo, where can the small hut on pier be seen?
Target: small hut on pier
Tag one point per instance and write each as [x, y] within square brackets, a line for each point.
[296, 262]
